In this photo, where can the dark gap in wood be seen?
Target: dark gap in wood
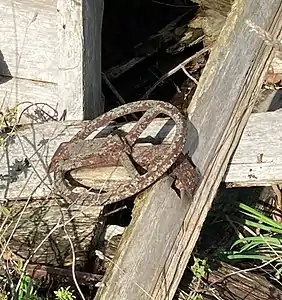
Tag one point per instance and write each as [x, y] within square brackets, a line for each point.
[129, 40]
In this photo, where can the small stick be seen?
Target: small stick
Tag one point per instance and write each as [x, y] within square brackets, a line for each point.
[190, 76]
[174, 70]
[116, 93]
[113, 89]
[115, 211]
[172, 82]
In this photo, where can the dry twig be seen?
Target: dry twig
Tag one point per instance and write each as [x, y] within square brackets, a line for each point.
[113, 89]
[73, 264]
[174, 70]
[189, 75]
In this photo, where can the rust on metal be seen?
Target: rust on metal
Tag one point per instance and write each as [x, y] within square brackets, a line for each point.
[144, 166]
[187, 176]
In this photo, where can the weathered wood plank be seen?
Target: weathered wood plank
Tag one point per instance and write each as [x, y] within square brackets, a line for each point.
[211, 19]
[157, 244]
[79, 78]
[30, 222]
[219, 111]
[38, 143]
[218, 114]
[32, 211]
[261, 164]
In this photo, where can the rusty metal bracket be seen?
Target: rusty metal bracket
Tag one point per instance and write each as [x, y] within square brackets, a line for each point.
[144, 165]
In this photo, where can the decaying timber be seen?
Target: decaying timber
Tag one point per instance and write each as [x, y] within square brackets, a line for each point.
[211, 19]
[37, 143]
[230, 283]
[33, 223]
[218, 114]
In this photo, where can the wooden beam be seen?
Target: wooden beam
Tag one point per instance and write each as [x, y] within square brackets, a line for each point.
[79, 79]
[37, 143]
[211, 19]
[263, 165]
[218, 114]
[150, 240]
[36, 100]
[39, 223]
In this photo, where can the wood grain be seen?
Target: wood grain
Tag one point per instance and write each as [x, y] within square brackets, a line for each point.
[261, 163]
[28, 39]
[51, 52]
[79, 79]
[158, 244]
[38, 142]
[31, 221]
[211, 19]
[218, 114]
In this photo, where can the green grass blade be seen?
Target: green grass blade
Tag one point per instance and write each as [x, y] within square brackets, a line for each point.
[259, 240]
[262, 226]
[258, 215]
[250, 256]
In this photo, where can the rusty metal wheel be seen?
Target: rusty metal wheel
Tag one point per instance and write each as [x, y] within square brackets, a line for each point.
[118, 150]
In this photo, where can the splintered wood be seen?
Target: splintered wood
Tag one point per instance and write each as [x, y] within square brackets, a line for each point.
[218, 113]
[151, 259]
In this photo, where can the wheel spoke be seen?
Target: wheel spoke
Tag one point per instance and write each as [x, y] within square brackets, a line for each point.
[141, 125]
[129, 166]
